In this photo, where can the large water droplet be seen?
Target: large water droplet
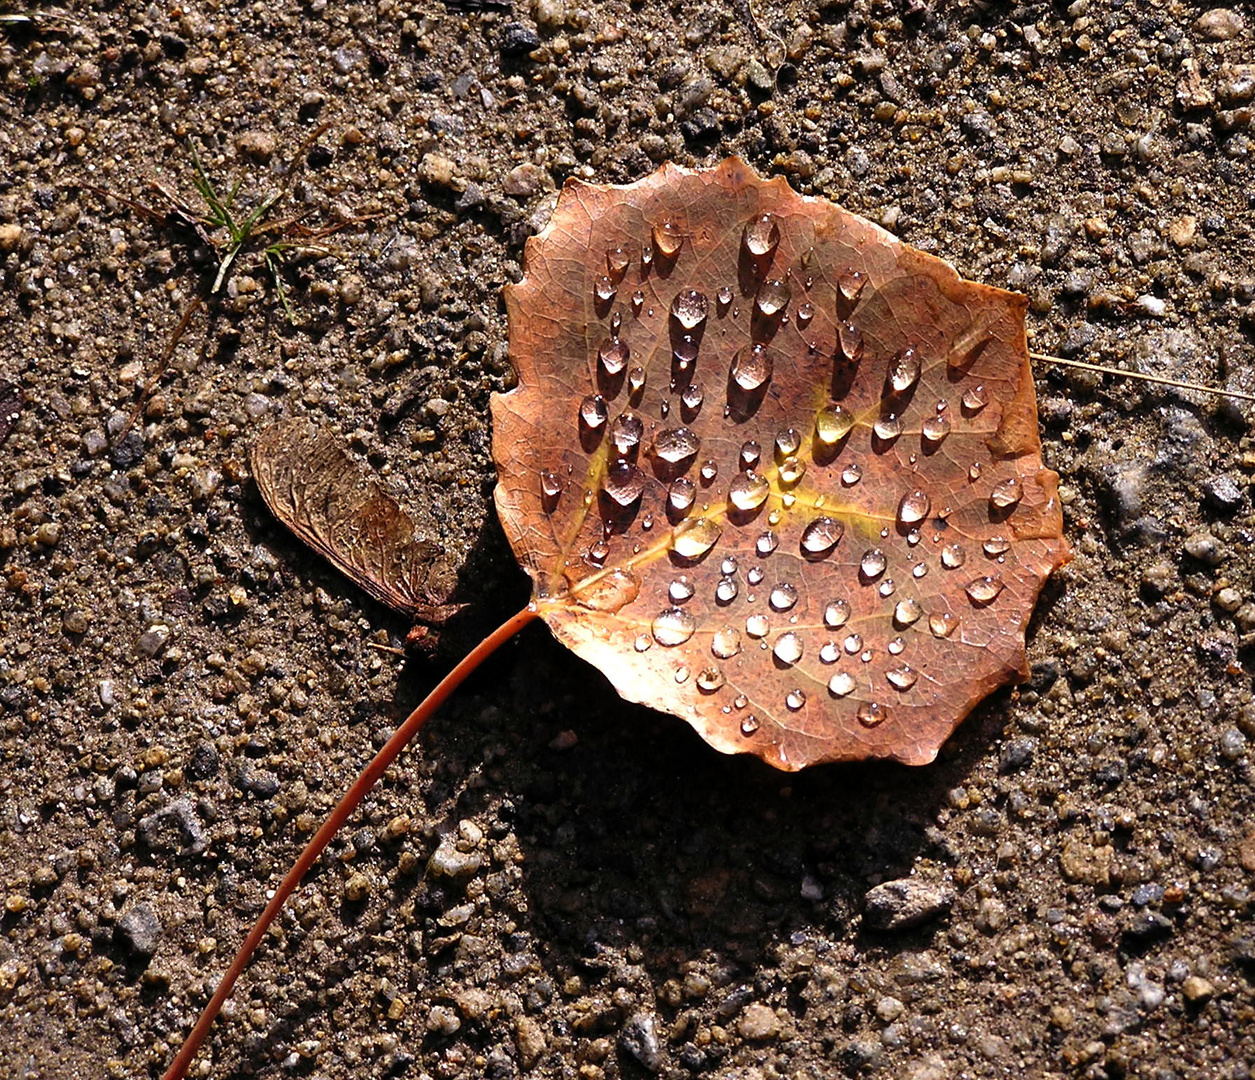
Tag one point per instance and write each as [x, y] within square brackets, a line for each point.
[752, 366]
[748, 490]
[681, 589]
[676, 444]
[829, 653]
[783, 597]
[689, 308]
[904, 370]
[667, 238]
[693, 538]
[609, 591]
[788, 648]
[936, 428]
[871, 714]
[672, 626]
[773, 297]
[984, 590]
[851, 284]
[836, 613]
[613, 355]
[792, 469]
[996, 545]
[691, 397]
[626, 432]
[726, 590]
[841, 684]
[906, 612]
[974, 399]
[757, 626]
[767, 543]
[820, 537]
[710, 679]
[887, 427]
[943, 625]
[728, 565]
[886, 587]
[850, 338]
[832, 424]
[617, 261]
[795, 699]
[681, 493]
[550, 485]
[913, 508]
[604, 287]
[903, 678]
[725, 643]
[594, 410]
[1006, 493]
[624, 482]
[762, 235]
[872, 564]
[953, 556]
[851, 475]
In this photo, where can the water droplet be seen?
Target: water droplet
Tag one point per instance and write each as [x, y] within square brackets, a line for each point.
[996, 545]
[598, 551]
[969, 344]
[756, 575]
[872, 564]
[886, 587]
[647, 254]
[626, 432]
[757, 626]
[710, 679]
[681, 493]
[643, 643]
[613, 355]
[594, 410]
[853, 643]
[903, 678]
[685, 352]
[783, 597]
[762, 235]
[708, 471]
[805, 312]
[638, 300]
[616, 321]
[750, 453]
[896, 646]
[788, 441]
[975, 398]
[749, 725]
[851, 284]
[1006, 493]
[681, 674]
[974, 471]
[907, 612]
[752, 366]
[904, 370]
[887, 427]
[681, 589]
[795, 699]
[832, 424]
[788, 648]
[671, 626]
[919, 570]
[676, 444]
[724, 295]
[936, 428]
[617, 261]
[767, 543]
[773, 519]
[550, 485]
[726, 642]
[693, 538]
[667, 238]
[984, 590]
[841, 684]
[820, 537]
[942, 625]
[829, 653]
[689, 309]
[691, 397]
[604, 287]
[913, 508]
[792, 469]
[728, 565]
[726, 590]
[624, 482]
[850, 338]
[773, 297]
[636, 379]
[647, 523]
[953, 556]
[871, 713]
[851, 475]
[748, 490]
[836, 613]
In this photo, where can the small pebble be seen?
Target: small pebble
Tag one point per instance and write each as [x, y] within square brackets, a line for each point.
[906, 902]
[1197, 990]
[1219, 24]
[758, 1023]
[138, 932]
[639, 1039]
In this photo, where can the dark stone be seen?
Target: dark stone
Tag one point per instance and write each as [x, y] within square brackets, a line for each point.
[1078, 339]
[265, 785]
[701, 127]
[204, 762]
[640, 1040]
[129, 451]
[138, 932]
[1147, 926]
[173, 46]
[319, 157]
[518, 39]
[175, 827]
[1017, 753]
[1223, 493]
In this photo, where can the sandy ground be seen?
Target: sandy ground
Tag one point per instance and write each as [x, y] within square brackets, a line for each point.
[185, 690]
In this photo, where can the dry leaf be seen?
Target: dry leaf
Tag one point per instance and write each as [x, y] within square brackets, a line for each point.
[324, 497]
[770, 469]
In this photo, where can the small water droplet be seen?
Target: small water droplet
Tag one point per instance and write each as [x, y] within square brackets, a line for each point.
[851, 475]
[681, 589]
[792, 469]
[841, 684]
[604, 288]
[708, 471]
[805, 312]
[626, 432]
[725, 643]
[788, 648]
[647, 522]
[887, 427]
[757, 626]
[906, 612]
[936, 428]
[886, 587]
[1006, 493]
[681, 493]
[617, 261]
[913, 508]
[762, 234]
[624, 482]
[750, 453]
[832, 424]
[726, 590]
[756, 575]
[667, 238]
[836, 613]
[638, 300]
[671, 626]
[647, 255]
[787, 441]
[984, 590]
[685, 352]
[749, 725]
[693, 538]
[851, 283]
[613, 355]
[872, 564]
[904, 370]
[664, 409]
[795, 699]
[616, 321]
[974, 471]
[550, 485]
[773, 519]
[820, 537]
[594, 410]
[953, 556]
[752, 366]
[853, 643]
[783, 597]
[681, 674]
[598, 551]
[740, 701]
[636, 379]
[773, 297]
[728, 565]
[767, 543]
[829, 653]
[903, 678]
[691, 397]
[676, 444]
[996, 545]
[850, 338]
[942, 625]
[724, 295]
[975, 398]
[748, 490]
[871, 714]
[913, 538]
[710, 679]
[643, 643]
[919, 570]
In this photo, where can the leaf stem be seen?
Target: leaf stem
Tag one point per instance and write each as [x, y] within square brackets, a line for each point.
[1162, 380]
[361, 786]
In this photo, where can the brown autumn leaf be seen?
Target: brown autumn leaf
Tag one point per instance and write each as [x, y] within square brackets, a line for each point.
[770, 469]
[331, 503]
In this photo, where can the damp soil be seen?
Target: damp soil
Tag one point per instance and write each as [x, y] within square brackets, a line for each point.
[553, 883]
